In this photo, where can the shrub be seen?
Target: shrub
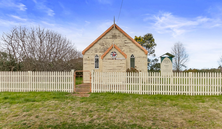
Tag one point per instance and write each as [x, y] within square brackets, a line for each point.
[132, 70]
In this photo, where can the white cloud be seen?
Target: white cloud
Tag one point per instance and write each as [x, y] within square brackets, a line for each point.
[18, 18]
[22, 7]
[7, 23]
[87, 23]
[168, 23]
[104, 26]
[12, 4]
[42, 7]
[216, 25]
[215, 10]
[74, 34]
[46, 23]
[65, 10]
[50, 12]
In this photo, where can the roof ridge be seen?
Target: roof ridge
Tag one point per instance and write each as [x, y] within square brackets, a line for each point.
[123, 32]
[110, 48]
[137, 44]
[104, 33]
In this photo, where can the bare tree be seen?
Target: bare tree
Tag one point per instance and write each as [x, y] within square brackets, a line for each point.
[220, 64]
[181, 57]
[39, 49]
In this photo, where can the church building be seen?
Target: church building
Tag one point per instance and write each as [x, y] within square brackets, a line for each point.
[114, 51]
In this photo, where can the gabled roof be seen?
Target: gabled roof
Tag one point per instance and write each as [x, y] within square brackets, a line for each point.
[118, 28]
[110, 48]
[167, 55]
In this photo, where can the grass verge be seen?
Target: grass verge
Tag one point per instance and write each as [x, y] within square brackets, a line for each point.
[108, 110]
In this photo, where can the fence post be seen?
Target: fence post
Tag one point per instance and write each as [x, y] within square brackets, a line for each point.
[73, 81]
[172, 91]
[219, 83]
[1, 88]
[190, 83]
[30, 80]
[92, 81]
[140, 83]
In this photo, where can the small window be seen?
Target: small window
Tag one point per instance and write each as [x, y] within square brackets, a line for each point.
[96, 61]
[132, 61]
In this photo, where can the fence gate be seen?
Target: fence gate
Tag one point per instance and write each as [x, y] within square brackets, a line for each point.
[82, 81]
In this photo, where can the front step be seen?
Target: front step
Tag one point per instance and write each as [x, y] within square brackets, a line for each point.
[83, 87]
[83, 90]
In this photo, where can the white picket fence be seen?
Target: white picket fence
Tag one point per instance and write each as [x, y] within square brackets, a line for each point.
[36, 81]
[154, 83]
[138, 83]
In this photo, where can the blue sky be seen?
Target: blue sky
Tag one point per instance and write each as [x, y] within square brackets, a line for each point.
[195, 23]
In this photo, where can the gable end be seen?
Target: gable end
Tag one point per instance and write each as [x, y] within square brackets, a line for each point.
[110, 48]
[124, 33]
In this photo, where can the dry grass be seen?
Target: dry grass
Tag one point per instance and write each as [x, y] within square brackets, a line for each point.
[112, 111]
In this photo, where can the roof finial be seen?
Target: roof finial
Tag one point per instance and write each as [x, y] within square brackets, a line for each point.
[114, 22]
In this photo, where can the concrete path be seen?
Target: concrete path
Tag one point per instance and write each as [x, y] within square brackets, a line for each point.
[83, 90]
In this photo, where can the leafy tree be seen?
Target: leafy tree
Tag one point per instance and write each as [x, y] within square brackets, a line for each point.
[220, 64]
[203, 70]
[220, 68]
[181, 57]
[148, 42]
[8, 63]
[154, 65]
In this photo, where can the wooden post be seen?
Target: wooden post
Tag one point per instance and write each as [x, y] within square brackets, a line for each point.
[92, 82]
[73, 80]
[190, 83]
[140, 83]
[30, 80]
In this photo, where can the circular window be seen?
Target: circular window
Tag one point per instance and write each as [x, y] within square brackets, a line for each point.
[113, 54]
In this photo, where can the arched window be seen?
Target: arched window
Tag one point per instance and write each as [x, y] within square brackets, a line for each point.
[96, 61]
[132, 61]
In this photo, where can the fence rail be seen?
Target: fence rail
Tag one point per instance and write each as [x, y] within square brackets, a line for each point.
[154, 83]
[139, 83]
[36, 81]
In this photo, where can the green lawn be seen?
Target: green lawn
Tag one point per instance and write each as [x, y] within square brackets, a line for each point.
[107, 110]
[79, 80]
